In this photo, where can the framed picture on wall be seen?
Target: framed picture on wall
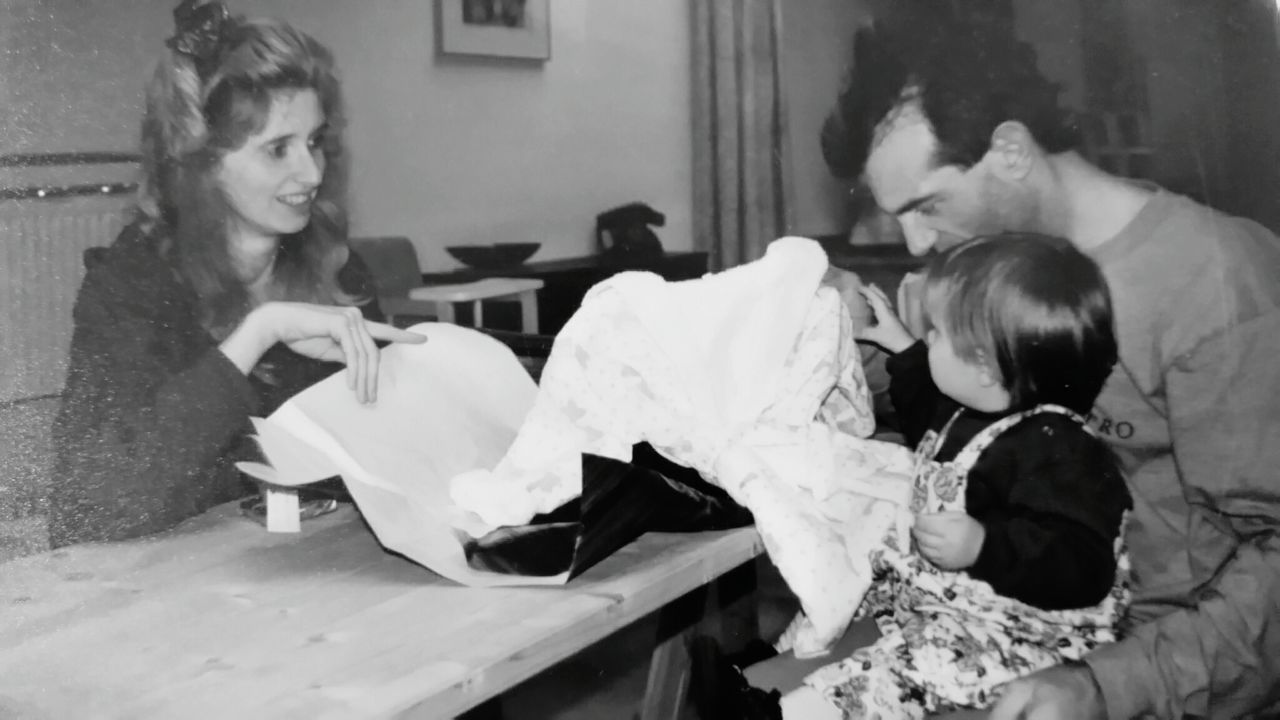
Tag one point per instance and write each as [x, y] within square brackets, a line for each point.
[496, 28]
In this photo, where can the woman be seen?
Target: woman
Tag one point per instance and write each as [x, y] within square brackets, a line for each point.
[232, 289]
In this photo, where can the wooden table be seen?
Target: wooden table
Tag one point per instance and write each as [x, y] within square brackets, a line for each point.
[219, 619]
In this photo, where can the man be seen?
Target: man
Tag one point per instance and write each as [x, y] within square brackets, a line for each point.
[958, 135]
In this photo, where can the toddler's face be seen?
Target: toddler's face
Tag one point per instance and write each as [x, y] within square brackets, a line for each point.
[967, 382]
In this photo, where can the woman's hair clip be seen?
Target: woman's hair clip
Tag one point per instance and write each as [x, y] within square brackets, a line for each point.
[199, 29]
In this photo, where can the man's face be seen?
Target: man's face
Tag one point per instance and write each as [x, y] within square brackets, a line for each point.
[938, 207]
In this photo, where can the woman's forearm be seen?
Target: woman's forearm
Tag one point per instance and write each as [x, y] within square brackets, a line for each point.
[246, 344]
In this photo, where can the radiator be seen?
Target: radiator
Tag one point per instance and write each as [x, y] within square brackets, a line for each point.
[42, 244]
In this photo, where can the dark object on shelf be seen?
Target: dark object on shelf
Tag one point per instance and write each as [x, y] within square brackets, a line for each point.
[566, 282]
[624, 231]
[497, 255]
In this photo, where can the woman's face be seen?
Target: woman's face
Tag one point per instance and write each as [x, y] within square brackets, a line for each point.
[270, 181]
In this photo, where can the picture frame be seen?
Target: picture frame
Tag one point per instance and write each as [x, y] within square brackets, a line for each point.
[519, 29]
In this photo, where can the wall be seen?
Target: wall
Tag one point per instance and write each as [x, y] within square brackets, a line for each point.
[817, 43]
[1180, 47]
[1053, 28]
[1181, 43]
[464, 151]
[446, 150]
[1252, 92]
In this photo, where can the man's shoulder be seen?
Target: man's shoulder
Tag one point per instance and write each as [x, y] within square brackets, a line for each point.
[1182, 220]
[1225, 246]
[1177, 237]
[1193, 275]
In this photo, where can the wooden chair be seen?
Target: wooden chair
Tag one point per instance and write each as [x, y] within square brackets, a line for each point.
[398, 277]
[404, 299]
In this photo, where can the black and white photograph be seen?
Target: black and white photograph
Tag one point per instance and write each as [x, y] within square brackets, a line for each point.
[507, 13]
[662, 360]
[518, 30]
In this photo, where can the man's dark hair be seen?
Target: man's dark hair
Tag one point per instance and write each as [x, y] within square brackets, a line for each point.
[969, 74]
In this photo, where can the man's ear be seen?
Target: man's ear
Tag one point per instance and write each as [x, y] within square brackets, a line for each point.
[1013, 150]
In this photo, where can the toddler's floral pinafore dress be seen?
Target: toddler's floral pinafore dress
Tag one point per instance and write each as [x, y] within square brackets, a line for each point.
[949, 640]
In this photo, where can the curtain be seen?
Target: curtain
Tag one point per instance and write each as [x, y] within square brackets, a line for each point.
[1251, 79]
[741, 165]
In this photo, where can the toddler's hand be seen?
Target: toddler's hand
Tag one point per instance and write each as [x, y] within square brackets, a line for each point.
[950, 540]
[888, 331]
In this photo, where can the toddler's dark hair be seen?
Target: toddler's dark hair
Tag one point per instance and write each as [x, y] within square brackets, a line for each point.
[1033, 307]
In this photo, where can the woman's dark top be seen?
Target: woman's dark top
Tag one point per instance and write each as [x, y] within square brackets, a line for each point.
[154, 416]
[1049, 495]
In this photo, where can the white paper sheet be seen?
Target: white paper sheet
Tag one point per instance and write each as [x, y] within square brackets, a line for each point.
[447, 406]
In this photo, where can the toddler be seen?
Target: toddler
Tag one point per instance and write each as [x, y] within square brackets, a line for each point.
[1015, 560]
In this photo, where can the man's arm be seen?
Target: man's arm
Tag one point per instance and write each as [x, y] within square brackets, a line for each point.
[1220, 657]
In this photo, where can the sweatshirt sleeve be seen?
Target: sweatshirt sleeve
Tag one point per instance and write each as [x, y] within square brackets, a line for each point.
[1219, 657]
[148, 411]
[1057, 498]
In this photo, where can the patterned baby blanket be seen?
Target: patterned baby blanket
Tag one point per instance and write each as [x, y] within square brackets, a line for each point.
[750, 376]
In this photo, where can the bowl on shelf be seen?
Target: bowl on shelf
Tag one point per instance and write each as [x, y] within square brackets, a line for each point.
[497, 255]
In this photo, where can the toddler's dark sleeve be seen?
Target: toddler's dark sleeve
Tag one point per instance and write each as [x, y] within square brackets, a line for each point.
[916, 400]
[1051, 498]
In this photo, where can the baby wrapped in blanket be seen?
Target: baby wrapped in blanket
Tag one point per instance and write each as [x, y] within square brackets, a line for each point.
[751, 377]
